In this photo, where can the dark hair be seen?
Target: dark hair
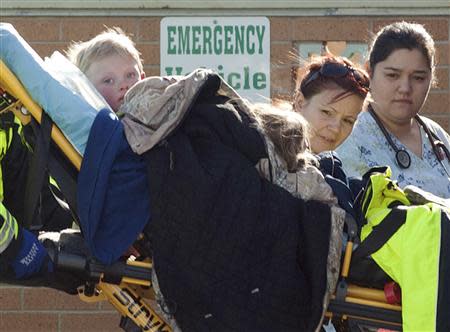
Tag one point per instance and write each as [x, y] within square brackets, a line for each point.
[401, 35]
[350, 77]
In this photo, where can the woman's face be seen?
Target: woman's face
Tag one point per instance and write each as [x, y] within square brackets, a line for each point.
[331, 121]
[399, 86]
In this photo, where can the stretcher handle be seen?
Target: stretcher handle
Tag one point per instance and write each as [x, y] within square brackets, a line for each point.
[352, 232]
[94, 271]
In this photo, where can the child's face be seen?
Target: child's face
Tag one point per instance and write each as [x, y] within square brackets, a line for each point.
[112, 76]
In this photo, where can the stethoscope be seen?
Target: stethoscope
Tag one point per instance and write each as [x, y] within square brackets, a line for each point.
[402, 156]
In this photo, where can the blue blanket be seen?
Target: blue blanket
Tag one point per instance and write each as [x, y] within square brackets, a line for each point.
[113, 194]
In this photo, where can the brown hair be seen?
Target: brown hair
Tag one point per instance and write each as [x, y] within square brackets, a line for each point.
[402, 35]
[288, 131]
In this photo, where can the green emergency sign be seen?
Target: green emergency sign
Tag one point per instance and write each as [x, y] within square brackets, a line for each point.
[218, 40]
[237, 48]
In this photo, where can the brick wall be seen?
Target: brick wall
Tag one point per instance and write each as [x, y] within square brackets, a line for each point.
[47, 34]
[47, 310]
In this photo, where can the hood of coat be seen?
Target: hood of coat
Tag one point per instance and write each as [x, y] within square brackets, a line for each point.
[155, 106]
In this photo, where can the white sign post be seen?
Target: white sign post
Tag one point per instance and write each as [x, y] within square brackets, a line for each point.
[237, 48]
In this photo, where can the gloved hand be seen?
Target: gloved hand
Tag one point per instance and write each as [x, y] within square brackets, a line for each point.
[31, 257]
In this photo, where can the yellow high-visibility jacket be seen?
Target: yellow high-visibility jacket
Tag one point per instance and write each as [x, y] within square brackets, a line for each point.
[416, 256]
[8, 224]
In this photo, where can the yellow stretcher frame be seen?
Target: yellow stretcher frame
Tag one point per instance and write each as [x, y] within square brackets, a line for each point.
[370, 299]
[130, 298]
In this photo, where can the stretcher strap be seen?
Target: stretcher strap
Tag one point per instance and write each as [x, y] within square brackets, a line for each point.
[37, 173]
[380, 234]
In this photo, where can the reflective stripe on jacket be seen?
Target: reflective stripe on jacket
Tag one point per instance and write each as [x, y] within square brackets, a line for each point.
[8, 229]
[8, 224]
[5, 141]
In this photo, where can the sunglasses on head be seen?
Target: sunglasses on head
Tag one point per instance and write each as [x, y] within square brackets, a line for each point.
[335, 70]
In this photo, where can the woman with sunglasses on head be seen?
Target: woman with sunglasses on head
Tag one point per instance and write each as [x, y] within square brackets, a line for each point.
[401, 69]
[330, 96]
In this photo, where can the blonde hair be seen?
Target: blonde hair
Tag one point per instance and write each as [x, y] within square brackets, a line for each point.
[288, 131]
[112, 41]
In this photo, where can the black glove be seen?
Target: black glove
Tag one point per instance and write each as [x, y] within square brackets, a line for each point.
[71, 242]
